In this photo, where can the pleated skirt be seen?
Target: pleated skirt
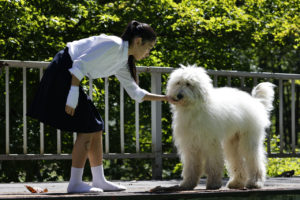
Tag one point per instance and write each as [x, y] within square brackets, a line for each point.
[48, 105]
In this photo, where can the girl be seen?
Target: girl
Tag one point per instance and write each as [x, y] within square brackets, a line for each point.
[62, 103]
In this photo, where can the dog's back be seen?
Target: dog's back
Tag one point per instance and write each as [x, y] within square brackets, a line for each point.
[264, 92]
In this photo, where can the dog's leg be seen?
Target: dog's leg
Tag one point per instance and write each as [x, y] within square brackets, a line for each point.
[255, 162]
[214, 167]
[192, 169]
[235, 163]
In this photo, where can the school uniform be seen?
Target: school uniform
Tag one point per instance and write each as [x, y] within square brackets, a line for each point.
[96, 57]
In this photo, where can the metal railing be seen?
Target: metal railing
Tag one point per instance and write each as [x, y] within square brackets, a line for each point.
[220, 78]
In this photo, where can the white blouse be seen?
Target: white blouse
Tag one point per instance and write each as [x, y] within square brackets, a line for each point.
[103, 56]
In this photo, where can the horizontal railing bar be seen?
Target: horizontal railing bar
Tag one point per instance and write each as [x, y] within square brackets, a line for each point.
[38, 64]
[254, 74]
[169, 155]
[69, 156]
[35, 157]
[111, 156]
[288, 155]
[21, 64]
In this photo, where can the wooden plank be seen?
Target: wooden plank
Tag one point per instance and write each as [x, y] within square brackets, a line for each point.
[275, 189]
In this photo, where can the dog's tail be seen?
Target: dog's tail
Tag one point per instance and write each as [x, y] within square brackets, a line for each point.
[264, 92]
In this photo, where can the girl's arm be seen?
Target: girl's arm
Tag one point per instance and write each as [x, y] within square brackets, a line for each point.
[75, 81]
[155, 97]
[158, 97]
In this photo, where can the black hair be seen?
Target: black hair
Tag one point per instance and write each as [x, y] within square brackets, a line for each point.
[137, 29]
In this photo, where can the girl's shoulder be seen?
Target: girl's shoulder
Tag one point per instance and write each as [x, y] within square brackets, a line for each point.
[111, 39]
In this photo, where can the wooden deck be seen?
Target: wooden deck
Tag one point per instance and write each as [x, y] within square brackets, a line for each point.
[275, 189]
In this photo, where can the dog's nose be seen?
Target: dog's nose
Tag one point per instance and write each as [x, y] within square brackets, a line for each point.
[179, 96]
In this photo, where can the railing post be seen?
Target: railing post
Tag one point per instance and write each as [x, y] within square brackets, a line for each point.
[137, 125]
[122, 119]
[42, 138]
[156, 127]
[293, 116]
[106, 84]
[24, 111]
[7, 110]
[281, 115]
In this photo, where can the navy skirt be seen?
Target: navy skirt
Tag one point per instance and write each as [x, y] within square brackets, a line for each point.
[48, 105]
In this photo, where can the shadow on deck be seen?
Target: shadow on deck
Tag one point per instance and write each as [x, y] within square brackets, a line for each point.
[275, 189]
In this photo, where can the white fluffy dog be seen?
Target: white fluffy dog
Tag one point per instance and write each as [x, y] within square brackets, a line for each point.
[212, 123]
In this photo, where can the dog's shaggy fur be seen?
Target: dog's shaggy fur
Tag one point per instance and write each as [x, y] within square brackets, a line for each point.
[212, 123]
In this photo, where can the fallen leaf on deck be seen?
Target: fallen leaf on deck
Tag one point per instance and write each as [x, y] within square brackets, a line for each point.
[36, 189]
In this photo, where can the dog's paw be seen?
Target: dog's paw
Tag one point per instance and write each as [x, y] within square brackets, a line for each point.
[254, 185]
[235, 185]
[213, 183]
[187, 186]
[213, 187]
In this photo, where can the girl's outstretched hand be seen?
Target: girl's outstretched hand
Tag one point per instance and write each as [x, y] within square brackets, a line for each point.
[172, 101]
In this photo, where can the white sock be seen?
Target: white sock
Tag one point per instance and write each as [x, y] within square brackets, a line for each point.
[100, 181]
[77, 186]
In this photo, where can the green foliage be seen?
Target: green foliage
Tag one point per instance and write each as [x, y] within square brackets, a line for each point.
[250, 35]
[276, 166]
[217, 34]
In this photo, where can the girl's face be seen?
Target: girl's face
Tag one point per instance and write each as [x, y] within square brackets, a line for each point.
[141, 50]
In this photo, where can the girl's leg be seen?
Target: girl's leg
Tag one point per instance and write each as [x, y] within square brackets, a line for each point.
[79, 156]
[95, 155]
[80, 150]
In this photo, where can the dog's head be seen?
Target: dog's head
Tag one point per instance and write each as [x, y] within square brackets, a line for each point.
[189, 85]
